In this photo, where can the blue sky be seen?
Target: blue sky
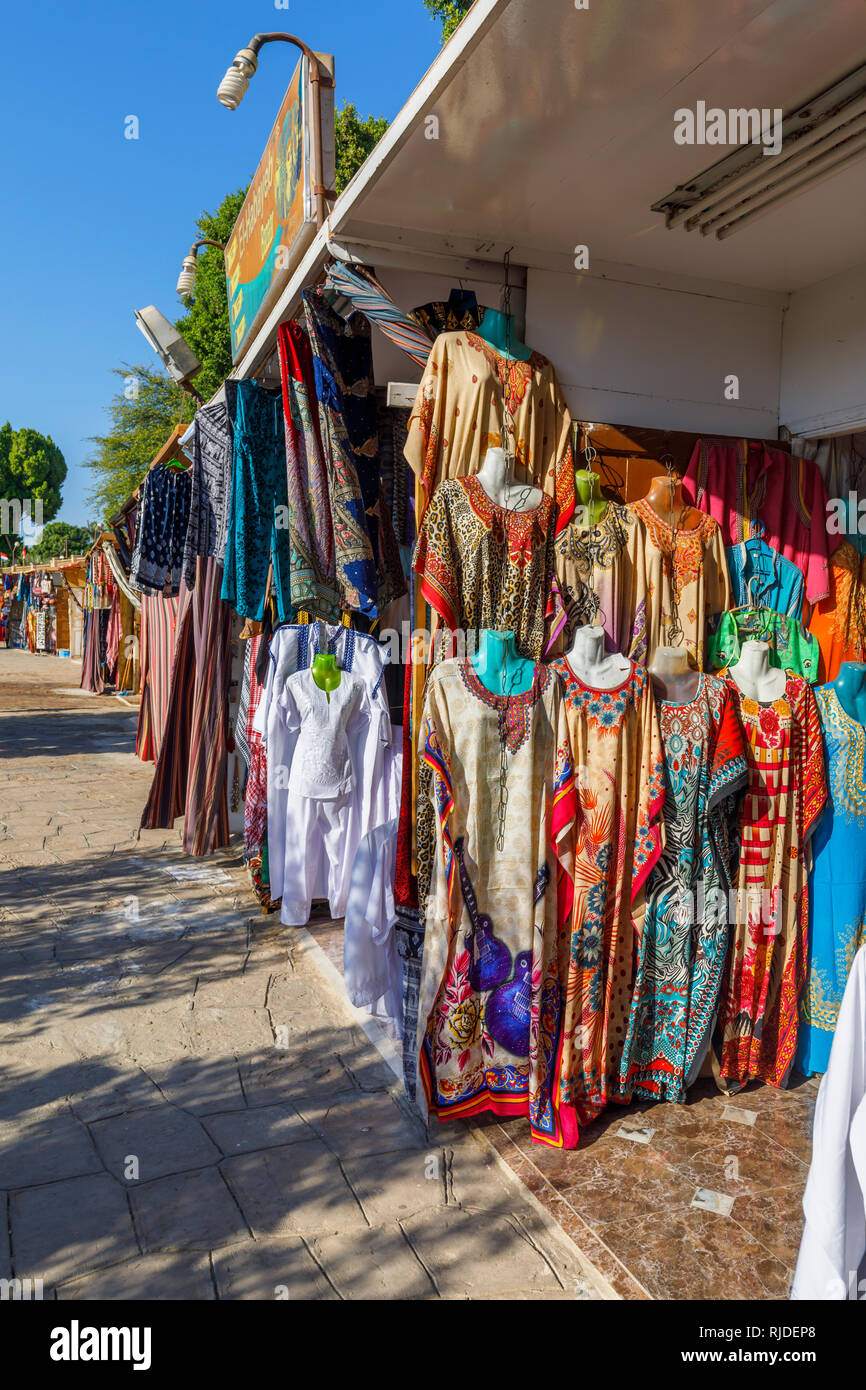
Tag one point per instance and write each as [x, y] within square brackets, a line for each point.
[93, 225]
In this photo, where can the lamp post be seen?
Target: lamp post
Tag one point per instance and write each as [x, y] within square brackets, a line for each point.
[186, 279]
[234, 85]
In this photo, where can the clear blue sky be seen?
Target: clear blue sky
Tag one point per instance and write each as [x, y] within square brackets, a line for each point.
[93, 225]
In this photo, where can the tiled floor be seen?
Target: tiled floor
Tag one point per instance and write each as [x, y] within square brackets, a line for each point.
[708, 1206]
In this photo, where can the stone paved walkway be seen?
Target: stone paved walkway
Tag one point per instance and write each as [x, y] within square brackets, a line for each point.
[188, 1108]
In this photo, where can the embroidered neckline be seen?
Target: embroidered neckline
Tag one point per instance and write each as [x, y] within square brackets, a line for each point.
[599, 689]
[514, 711]
[486, 507]
[527, 698]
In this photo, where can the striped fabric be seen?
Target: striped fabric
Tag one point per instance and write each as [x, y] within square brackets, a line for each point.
[159, 618]
[91, 668]
[190, 777]
[373, 300]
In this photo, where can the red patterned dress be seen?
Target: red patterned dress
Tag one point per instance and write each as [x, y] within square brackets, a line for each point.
[769, 947]
[616, 749]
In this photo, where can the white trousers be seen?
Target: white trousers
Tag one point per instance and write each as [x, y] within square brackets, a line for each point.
[321, 840]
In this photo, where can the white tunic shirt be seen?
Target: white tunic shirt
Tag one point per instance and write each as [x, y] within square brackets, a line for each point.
[322, 764]
[832, 1260]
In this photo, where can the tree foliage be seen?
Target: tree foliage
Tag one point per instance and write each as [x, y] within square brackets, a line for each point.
[61, 538]
[356, 136]
[450, 12]
[205, 325]
[32, 469]
[142, 414]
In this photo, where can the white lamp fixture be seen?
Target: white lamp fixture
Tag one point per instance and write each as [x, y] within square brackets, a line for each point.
[173, 351]
[232, 89]
[186, 279]
[820, 139]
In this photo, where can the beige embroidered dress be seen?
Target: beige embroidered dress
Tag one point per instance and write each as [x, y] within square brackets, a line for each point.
[458, 415]
[491, 995]
[601, 580]
[687, 579]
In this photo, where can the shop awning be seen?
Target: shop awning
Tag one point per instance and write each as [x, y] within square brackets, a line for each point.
[542, 127]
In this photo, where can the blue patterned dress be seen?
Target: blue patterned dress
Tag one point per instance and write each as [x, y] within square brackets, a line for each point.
[838, 882]
[683, 946]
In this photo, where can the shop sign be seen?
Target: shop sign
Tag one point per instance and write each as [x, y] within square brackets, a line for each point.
[277, 221]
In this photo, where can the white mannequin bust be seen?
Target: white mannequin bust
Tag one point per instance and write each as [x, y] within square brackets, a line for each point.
[590, 661]
[754, 675]
[672, 676]
[493, 477]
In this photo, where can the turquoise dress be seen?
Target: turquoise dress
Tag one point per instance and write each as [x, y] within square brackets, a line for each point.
[838, 882]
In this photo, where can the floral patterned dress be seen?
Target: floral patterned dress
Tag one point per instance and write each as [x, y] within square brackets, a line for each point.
[687, 583]
[838, 883]
[491, 992]
[616, 750]
[682, 950]
[768, 954]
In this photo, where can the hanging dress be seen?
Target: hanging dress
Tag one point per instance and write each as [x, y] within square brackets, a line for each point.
[601, 580]
[681, 955]
[491, 989]
[687, 578]
[839, 621]
[792, 648]
[459, 414]
[616, 750]
[767, 961]
[762, 578]
[483, 566]
[838, 882]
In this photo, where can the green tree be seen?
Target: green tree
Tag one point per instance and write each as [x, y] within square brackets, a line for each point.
[355, 136]
[450, 12]
[61, 538]
[32, 470]
[205, 325]
[143, 413]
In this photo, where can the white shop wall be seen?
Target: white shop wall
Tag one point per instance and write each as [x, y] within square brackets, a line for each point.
[629, 352]
[823, 389]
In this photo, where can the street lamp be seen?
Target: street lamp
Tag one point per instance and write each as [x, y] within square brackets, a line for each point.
[234, 85]
[186, 279]
[170, 346]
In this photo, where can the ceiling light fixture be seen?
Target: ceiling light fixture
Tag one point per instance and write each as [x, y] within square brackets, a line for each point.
[819, 140]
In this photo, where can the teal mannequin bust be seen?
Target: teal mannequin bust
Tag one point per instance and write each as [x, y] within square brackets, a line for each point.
[500, 667]
[494, 328]
[850, 688]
